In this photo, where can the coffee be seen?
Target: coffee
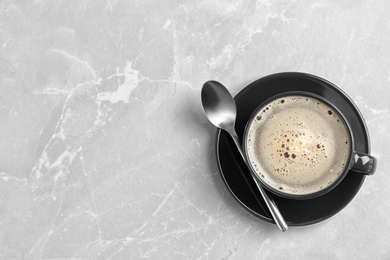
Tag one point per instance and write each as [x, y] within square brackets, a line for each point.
[298, 145]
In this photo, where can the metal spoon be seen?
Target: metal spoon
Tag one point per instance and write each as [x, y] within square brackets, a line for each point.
[220, 109]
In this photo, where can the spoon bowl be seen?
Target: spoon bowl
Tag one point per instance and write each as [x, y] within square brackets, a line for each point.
[218, 104]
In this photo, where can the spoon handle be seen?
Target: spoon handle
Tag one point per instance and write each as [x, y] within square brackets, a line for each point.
[277, 216]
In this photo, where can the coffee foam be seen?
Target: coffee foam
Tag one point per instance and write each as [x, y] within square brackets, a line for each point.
[298, 145]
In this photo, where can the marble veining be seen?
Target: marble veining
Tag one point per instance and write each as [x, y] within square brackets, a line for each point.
[105, 150]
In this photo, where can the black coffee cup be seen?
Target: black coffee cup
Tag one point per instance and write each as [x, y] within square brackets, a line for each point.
[284, 158]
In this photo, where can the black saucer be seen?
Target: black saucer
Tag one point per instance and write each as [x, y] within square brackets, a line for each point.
[237, 177]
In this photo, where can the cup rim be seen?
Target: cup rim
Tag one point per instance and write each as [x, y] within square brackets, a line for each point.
[306, 195]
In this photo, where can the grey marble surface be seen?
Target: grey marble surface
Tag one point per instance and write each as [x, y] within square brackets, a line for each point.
[105, 152]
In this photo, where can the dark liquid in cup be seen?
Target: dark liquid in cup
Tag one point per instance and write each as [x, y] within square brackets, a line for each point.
[298, 145]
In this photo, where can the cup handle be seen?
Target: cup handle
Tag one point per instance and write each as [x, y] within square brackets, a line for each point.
[363, 163]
